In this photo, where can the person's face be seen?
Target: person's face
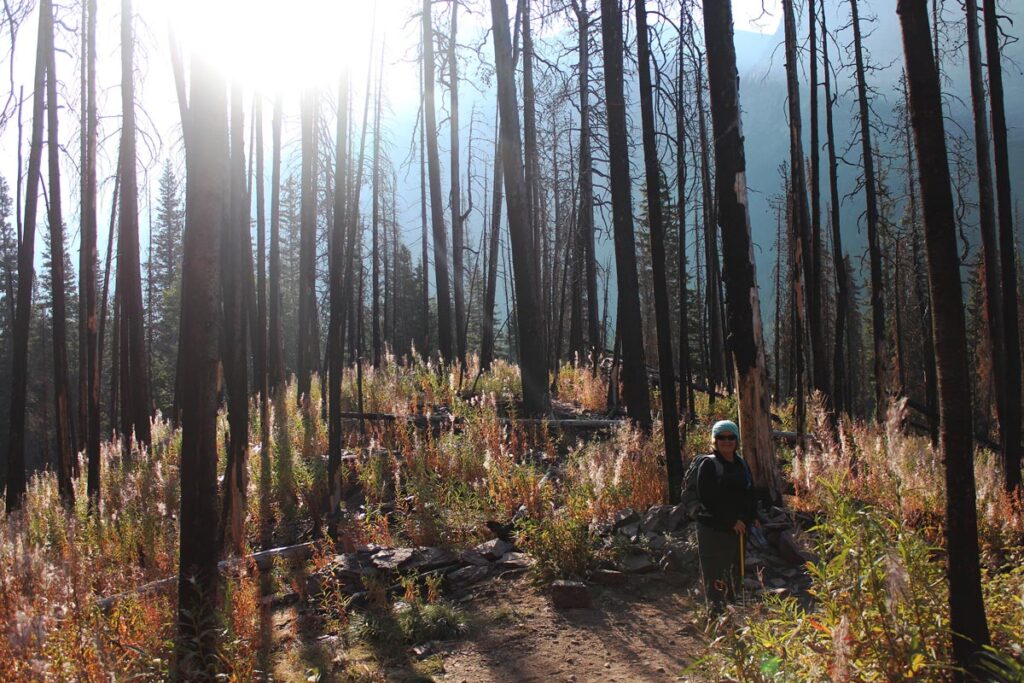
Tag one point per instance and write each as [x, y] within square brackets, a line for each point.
[726, 443]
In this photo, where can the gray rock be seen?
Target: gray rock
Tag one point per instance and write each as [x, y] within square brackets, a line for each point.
[469, 575]
[514, 560]
[427, 558]
[494, 548]
[638, 564]
[394, 559]
[570, 595]
[657, 519]
[682, 557]
[793, 548]
[624, 517]
[677, 518]
[630, 530]
[655, 542]
[473, 557]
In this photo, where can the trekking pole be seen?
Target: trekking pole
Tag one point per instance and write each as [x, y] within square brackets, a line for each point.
[743, 564]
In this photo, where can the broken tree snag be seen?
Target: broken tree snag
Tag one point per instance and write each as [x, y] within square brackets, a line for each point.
[743, 309]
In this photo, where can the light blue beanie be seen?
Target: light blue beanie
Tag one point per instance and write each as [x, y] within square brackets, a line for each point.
[726, 426]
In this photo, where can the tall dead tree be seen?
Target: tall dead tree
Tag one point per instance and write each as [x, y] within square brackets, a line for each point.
[444, 312]
[337, 302]
[839, 378]
[630, 327]
[585, 213]
[743, 308]
[62, 409]
[966, 605]
[878, 334]
[259, 350]
[235, 356]
[656, 228]
[529, 320]
[88, 259]
[309, 346]
[135, 400]
[687, 405]
[993, 300]
[276, 333]
[206, 212]
[493, 247]
[458, 251]
[1010, 427]
[376, 339]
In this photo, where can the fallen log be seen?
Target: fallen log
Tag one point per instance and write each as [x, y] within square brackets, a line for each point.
[264, 560]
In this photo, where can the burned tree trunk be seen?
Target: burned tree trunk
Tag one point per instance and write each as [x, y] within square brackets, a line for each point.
[444, 312]
[493, 245]
[87, 266]
[455, 197]
[205, 216]
[630, 326]
[743, 307]
[666, 374]
[1010, 427]
[874, 249]
[335, 331]
[309, 347]
[135, 400]
[276, 333]
[966, 606]
[376, 341]
[687, 404]
[62, 409]
[530, 321]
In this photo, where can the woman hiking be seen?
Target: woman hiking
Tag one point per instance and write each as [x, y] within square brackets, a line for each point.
[727, 508]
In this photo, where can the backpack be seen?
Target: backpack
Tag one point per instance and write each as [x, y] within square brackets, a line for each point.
[690, 499]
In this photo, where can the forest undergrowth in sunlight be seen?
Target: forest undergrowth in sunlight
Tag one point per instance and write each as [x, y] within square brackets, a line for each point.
[879, 603]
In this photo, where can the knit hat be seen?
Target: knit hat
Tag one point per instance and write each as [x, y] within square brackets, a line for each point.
[727, 426]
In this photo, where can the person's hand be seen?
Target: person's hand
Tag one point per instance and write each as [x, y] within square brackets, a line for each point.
[739, 527]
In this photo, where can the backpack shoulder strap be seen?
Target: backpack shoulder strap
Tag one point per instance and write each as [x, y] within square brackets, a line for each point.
[746, 471]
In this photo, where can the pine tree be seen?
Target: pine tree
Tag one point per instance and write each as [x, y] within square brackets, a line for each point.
[165, 271]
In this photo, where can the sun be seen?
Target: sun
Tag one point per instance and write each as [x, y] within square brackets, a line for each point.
[277, 46]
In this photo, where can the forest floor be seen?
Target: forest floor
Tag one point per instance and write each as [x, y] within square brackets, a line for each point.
[651, 628]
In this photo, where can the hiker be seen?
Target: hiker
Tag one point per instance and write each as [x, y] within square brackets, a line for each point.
[727, 508]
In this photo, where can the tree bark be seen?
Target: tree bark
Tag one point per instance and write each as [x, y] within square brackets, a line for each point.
[206, 211]
[530, 321]
[276, 333]
[686, 402]
[874, 250]
[743, 307]
[234, 351]
[337, 305]
[135, 399]
[666, 373]
[966, 606]
[87, 266]
[630, 326]
[1010, 427]
[493, 245]
[458, 251]
[375, 322]
[62, 409]
[309, 347]
[444, 313]
[16, 479]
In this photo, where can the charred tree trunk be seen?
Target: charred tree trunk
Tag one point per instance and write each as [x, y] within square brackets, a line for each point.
[874, 249]
[205, 216]
[840, 381]
[1010, 427]
[309, 347]
[234, 337]
[375, 312]
[630, 326]
[530, 321]
[62, 409]
[335, 330]
[260, 343]
[666, 373]
[966, 606]
[493, 245]
[742, 302]
[687, 404]
[87, 267]
[276, 333]
[444, 312]
[458, 251]
[424, 240]
[135, 400]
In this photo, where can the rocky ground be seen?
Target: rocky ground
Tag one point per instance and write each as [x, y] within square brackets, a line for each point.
[640, 618]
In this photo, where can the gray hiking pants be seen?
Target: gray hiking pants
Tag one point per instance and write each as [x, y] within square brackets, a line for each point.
[719, 564]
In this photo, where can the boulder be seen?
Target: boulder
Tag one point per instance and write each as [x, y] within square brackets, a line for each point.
[677, 518]
[473, 557]
[494, 549]
[794, 549]
[570, 595]
[656, 520]
[638, 564]
[629, 530]
[469, 575]
[514, 560]
[428, 558]
[394, 559]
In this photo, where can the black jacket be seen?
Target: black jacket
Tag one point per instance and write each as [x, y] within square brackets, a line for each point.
[725, 499]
